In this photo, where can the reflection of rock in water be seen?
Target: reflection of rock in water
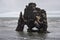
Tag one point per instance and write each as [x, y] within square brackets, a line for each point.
[33, 35]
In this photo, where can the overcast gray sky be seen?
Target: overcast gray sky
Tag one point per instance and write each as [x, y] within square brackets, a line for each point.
[11, 8]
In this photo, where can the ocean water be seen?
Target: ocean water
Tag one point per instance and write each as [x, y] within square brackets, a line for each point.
[9, 24]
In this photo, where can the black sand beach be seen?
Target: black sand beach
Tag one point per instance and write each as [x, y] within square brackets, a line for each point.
[8, 26]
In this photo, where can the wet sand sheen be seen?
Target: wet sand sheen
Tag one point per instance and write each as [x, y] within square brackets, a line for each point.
[8, 26]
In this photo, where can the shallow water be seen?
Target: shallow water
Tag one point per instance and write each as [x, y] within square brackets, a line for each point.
[8, 26]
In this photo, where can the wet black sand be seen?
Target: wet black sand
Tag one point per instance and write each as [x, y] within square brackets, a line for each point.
[8, 26]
